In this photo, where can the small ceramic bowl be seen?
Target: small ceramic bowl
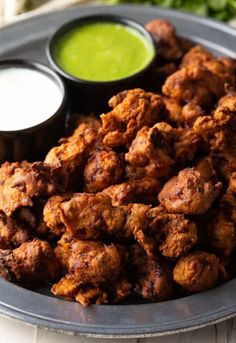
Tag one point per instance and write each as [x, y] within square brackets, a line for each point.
[33, 142]
[92, 96]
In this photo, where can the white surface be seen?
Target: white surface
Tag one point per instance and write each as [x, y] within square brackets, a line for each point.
[28, 97]
[15, 332]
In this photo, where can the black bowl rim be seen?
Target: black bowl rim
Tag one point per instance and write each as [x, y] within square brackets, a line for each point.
[92, 18]
[42, 68]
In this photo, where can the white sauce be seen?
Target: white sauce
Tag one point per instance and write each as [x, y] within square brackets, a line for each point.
[27, 98]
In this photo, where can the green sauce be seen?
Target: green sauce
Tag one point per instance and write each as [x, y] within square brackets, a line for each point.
[103, 51]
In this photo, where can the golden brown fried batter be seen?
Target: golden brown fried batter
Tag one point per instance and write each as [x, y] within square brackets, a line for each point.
[143, 191]
[12, 234]
[192, 191]
[103, 169]
[31, 263]
[197, 271]
[52, 214]
[187, 143]
[194, 84]
[90, 264]
[151, 277]
[224, 68]
[180, 115]
[70, 155]
[173, 233]
[221, 235]
[26, 182]
[149, 153]
[174, 111]
[91, 216]
[163, 33]
[87, 127]
[132, 110]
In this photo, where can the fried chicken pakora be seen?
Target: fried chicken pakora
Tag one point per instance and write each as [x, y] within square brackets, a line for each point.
[198, 271]
[33, 262]
[92, 267]
[131, 110]
[192, 191]
[25, 183]
[141, 201]
[152, 278]
[103, 169]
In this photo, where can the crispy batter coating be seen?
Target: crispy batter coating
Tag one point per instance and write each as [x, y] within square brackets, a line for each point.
[131, 110]
[197, 271]
[224, 68]
[163, 33]
[143, 191]
[92, 217]
[31, 263]
[151, 277]
[192, 191]
[149, 153]
[26, 182]
[174, 234]
[179, 115]
[194, 84]
[70, 155]
[52, 214]
[89, 264]
[215, 129]
[187, 144]
[103, 169]
[12, 234]
[221, 234]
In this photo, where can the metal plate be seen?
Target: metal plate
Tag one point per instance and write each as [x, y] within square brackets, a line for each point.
[27, 39]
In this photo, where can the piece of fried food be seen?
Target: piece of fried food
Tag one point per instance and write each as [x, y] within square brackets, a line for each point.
[70, 156]
[179, 115]
[25, 183]
[131, 110]
[52, 214]
[223, 67]
[163, 33]
[197, 271]
[216, 129]
[32, 263]
[151, 277]
[221, 234]
[194, 84]
[12, 234]
[103, 169]
[91, 267]
[93, 217]
[173, 233]
[192, 191]
[150, 152]
[142, 191]
[187, 144]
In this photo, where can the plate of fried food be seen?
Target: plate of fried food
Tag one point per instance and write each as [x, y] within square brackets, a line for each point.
[126, 227]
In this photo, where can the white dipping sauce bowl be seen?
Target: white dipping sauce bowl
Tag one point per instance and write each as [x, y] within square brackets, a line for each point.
[33, 109]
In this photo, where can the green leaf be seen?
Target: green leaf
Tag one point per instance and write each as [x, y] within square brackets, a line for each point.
[217, 5]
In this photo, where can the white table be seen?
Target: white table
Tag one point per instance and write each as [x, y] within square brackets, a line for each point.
[12, 331]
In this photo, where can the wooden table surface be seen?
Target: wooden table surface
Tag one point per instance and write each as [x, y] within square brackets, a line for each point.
[16, 332]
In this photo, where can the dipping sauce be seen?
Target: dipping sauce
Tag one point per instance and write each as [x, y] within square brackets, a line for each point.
[103, 51]
[28, 97]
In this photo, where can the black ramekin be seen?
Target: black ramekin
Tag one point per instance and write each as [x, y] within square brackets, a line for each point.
[32, 143]
[92, 96]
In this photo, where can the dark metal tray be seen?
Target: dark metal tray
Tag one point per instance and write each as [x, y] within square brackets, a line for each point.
[28, 39]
